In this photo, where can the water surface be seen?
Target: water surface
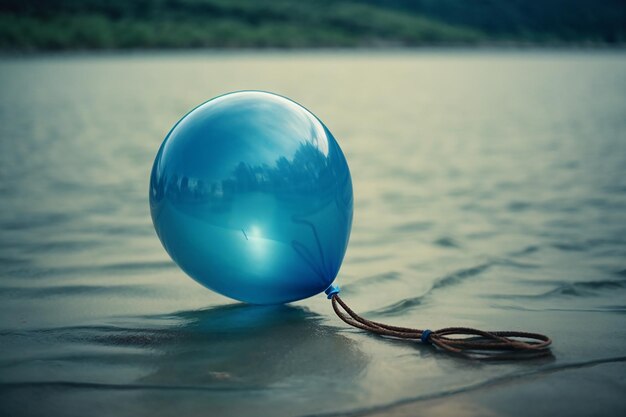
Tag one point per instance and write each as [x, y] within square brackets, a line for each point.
[490, 191]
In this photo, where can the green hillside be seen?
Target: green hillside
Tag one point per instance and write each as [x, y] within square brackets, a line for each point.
[122, 24]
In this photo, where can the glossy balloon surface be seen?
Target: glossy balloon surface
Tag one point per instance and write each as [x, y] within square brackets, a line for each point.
[251, 196]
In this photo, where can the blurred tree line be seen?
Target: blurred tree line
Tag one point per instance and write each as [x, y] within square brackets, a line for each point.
[118, 24]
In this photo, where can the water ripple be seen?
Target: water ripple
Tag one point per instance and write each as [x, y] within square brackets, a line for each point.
[454, 278]
[104, 335]
[526, 251]
[93, 270]
[461, 275]
[34, 221]
[410, 227]
[576, 289]
[399, 307]
[619, 309]
[125, 387]
[76, 291]
[447, 242]
[374, 279]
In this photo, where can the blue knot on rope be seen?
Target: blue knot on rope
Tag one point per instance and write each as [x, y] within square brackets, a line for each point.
[426, 336]
[332, 290]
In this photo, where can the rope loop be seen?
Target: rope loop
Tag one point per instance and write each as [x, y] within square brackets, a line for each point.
[463, 341]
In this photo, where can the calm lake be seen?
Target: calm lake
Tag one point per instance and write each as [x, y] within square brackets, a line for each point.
[490, 191]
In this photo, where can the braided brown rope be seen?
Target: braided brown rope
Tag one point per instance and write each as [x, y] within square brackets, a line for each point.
[472, 343]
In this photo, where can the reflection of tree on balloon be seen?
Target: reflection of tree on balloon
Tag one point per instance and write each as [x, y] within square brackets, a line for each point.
[305, 172]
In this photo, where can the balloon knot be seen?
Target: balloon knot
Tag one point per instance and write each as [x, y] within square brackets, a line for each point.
[332, 290]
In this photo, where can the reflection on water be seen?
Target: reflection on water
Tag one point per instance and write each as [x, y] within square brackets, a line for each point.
[489, 192]
[265, 352]
[253, 347]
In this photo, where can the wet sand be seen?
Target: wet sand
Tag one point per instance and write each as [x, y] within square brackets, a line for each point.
[582, 389]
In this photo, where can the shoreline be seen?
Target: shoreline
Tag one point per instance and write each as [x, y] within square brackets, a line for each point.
[486, 47]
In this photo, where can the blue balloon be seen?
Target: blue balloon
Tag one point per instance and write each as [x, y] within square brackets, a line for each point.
[251, 196]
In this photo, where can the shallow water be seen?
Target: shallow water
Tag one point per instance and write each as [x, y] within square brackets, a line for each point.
[490, 191]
